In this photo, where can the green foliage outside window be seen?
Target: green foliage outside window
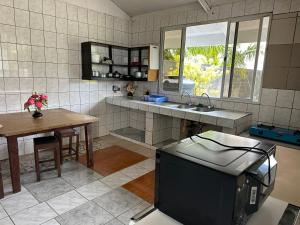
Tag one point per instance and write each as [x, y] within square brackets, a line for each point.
[204, 65]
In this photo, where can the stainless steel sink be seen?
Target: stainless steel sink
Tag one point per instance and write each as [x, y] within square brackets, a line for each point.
[185, 106]
[182, 106]
[203, 109]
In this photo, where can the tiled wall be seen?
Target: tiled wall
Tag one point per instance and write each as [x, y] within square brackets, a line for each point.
[282, 75]
[40, 51]
[282, 70]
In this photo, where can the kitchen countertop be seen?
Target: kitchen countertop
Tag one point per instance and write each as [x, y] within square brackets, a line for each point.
[219, 117]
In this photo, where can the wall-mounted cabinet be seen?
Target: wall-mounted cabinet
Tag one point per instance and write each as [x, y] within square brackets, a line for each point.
[110, 62]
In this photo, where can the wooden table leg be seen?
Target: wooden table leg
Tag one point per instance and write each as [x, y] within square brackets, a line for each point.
[13, 153]
[89, 144]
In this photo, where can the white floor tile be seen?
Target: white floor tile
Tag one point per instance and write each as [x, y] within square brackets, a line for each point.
[116, 180]
[2, 213]
[6, 221]
[18, 203]
[51, 222]
[135, 171]
[66, 202]
[147, 164]
[35, 215]
[93, 190]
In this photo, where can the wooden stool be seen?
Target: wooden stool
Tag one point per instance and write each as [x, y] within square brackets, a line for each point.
[68, 133]
[41, 144]
[1, 183]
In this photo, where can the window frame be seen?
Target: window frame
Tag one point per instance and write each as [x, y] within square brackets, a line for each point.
[229, 21]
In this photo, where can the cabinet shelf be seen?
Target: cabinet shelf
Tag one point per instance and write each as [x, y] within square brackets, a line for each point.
[104, 64]
[119, 54]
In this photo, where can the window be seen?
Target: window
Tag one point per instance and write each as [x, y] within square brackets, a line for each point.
[224, 59]
[171, 60]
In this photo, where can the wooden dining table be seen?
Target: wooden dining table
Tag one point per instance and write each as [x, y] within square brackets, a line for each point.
[20, 124]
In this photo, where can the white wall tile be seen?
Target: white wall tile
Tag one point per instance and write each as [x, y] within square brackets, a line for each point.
[282, 6]
[49, 7]
[21, 4]
[35, 6]
[72, 11]
[49, 23]
[38, 54]
[9, 51]
[295, 118]
[268, 96]
[25, 69]
[7, 15]
[24, 52]
[296, 103]
[8, 33]
[252, 7]
[23, 35]
[92, 17]
[26, 84]
[36, 21]
[61, 25]
[7, 3]
[282, 116]
[266, 6]
[37, 37]
[61, 9]
[266, 114]
[13, 101]
[10, 69]
[285, 98]
[12, 84]
[22, 18]
[40, 85]
[82, 15]
[38, 69]
[52, 85]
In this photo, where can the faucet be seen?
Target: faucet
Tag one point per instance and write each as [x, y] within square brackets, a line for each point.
[189, 95]
[209, 106]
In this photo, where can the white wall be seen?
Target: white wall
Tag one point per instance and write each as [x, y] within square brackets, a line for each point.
[146, 30]
[105, 6]
[40, 51]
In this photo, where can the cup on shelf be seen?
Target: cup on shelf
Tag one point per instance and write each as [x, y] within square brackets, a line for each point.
[95, 58]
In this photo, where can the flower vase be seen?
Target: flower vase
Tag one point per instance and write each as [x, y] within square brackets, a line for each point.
[37, 114]
[130, 95]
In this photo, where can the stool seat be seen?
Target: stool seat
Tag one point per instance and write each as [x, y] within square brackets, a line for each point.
[50, 143]
[45, 140]
[68, 133]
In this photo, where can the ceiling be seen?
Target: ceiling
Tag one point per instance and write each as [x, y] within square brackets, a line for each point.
[139, 7]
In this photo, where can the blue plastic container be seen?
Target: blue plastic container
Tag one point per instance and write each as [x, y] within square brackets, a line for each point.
[278, 134]
[155, 98]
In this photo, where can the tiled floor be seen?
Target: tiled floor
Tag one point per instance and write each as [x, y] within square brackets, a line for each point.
[85, 197]
[81, 196]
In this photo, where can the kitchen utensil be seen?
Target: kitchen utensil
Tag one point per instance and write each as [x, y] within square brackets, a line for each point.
[138, 74]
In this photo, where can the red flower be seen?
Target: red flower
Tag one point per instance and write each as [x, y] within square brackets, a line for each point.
[43, 97]
[39, 105]
[30, 101]
[35, 95]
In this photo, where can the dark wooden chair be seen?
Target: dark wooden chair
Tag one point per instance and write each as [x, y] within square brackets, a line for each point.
[68, 133]
[1, 183]
[49, 143]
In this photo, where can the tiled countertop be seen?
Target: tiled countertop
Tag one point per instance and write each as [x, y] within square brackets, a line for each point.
[219, 117]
